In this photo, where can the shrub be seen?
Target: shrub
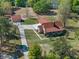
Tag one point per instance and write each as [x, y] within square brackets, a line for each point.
[35, 52]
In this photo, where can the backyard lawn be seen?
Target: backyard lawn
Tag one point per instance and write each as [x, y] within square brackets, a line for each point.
[31, 35]
[33, 38]
[72, 22]
[30, 21]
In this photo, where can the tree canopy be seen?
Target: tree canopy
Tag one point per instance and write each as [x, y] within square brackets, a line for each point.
[41, 6]
[32, 2]
[20, 3]
[75, 6]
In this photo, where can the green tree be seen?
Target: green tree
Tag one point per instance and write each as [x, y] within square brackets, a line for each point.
[75, 6]
[6, 31]
[41, 6]
[35, 52]
[12, 2]
[32, 2]
[20, 3]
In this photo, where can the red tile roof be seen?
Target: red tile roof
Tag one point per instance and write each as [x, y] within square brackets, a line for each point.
[51, 26]
[53, 29]
[58, 24]
[16, 18]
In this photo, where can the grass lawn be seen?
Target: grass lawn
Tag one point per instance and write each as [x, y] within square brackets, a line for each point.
[31, 35]
[33, 38]
[30, 21]
[73, 38]
[71, 22]
[74, 43]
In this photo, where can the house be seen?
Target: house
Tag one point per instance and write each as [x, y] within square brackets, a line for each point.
[16, 18]
[50, 28]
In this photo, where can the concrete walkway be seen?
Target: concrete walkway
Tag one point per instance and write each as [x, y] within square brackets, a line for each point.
[23, 39]
[33, 26]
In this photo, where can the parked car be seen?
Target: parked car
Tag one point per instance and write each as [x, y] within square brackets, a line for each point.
[22, 48]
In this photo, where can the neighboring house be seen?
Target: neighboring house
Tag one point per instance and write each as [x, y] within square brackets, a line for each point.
[50, 28]
[16, 18]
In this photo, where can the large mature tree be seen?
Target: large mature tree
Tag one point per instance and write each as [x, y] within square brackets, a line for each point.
[64, 10]
[35, 52]
[12, 2]
[41, 6]
[32, 2]
[6, 31]
[20, 3]
[75, 6]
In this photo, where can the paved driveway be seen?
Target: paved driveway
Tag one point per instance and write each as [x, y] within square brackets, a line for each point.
[22, 34]
[23, 38]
